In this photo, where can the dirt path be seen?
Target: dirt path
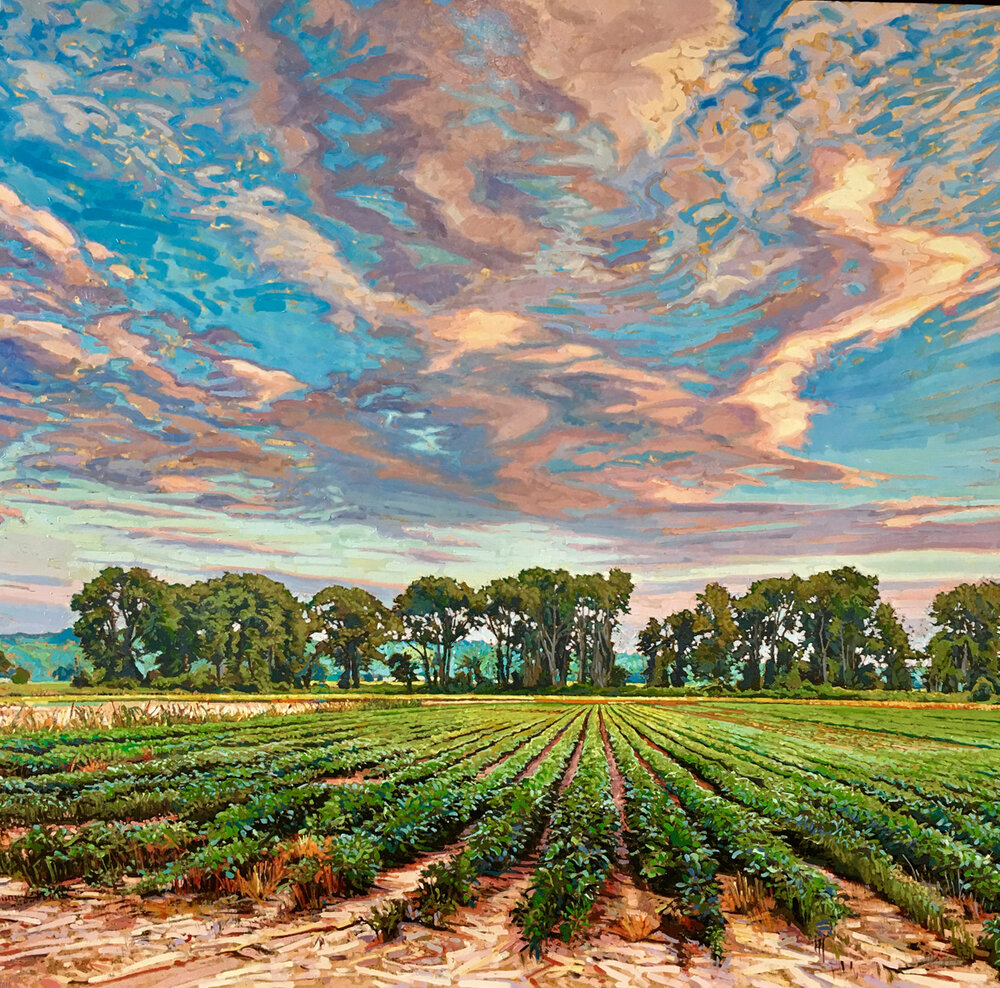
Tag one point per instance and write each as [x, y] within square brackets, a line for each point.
[178, 942]
[532, 767]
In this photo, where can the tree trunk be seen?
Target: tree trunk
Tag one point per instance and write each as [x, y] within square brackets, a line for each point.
[550, 659]
[677, 676]
[753, 664]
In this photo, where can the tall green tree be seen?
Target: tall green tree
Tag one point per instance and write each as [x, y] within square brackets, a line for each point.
[836, 611]
[552, 620]
[854, 607]
[252, 629]
[505, 607]
[891, 649]
[752, 613]
[119, 620]
[782, 626]
[652, 645]
[669, 646]
[817, 596]
[349, 626]
[437, 612]
[967, 642]
[179, 633]
[715, 651]
[600, 603]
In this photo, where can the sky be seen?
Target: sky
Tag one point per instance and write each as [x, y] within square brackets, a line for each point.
[353, 292]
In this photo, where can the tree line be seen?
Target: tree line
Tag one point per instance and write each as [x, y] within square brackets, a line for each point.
[547, 628]
[247, 630]
[832, 628]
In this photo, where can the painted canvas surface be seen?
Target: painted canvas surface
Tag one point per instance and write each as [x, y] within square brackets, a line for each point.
[499, 493]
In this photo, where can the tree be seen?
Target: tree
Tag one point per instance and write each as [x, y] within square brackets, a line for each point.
[552, 620]
[119, 617]
[836, 611]
[891, 648]
[251, 630]
[853, 607]
[651, 644]
[5, 664]
[752, 614]
[668, 647]
[618, 676]
[179, 633]
[600, 601]
[967, 644]
[781, 596]
[816, 614]
[20, 676]
[717, 633]
[505, 606]
[472, 658]
[402, 668]
[437, 612]
[349, 626]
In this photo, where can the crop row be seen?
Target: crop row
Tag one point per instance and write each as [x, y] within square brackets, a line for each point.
[744, 840]
[104, 852]
[834, 809]
[77, 753]
[338, 845]
[669, 852]
[845, 777]
[510, 825]
[250, 809]
[578, 855]
[821, 826]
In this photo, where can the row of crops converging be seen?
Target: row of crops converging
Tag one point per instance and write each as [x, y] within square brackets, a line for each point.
[316, 806]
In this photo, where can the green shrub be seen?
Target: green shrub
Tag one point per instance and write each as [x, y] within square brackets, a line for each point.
[443, 888]
[338, 865]
[983, 691]
[385, 919]
[990, 940]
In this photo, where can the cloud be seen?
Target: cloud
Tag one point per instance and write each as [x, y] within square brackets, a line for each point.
[916, 270]
[475, 331]
[47, 235]
[261, 384]
[637, 281]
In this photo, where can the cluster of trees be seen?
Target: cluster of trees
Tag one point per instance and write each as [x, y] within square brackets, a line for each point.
[546, 628]
[964, 650]
[832, 628]
[245, 629]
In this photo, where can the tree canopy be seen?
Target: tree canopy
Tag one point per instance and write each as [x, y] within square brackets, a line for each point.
[544, 627]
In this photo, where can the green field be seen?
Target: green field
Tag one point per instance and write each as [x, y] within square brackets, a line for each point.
[788, 797]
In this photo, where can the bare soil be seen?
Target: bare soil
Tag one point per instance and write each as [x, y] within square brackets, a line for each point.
[183, 942]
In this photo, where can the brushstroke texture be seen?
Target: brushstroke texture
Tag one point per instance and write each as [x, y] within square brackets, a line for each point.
[361, 290]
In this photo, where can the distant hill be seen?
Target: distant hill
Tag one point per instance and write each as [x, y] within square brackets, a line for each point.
[48, 657]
